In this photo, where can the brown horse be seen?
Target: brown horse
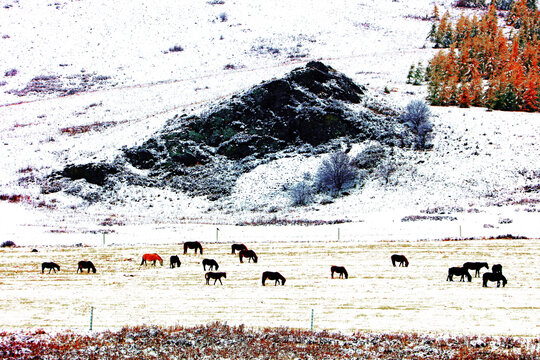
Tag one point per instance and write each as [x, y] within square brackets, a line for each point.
[211, 263]
[458, 271]
[153, 258]
[493, 277]
[216, 276]
[237, 247]
[269, 275]
[86, 265]
[249, 254]
[401, 259]
[50, 266]
[175, 261]
[476, 266]
[340, 270]
[192, 245]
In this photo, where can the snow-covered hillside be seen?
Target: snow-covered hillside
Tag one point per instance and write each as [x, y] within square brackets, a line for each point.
[117, 79]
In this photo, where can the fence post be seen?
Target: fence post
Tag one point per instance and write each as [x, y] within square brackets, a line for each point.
[91, 317]
[338, 234]
[312, 319]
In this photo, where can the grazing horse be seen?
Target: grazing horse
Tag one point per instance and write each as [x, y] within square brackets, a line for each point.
[340, 270]
[489, 276]
[192, 245]
[237, 247]
[216, 276]
[401, 259]
[153, 258]
[273, 276]
[497, 269]
[458, 271]
[249, 254]
[175, 261]
[211, 263]
[34, 250]
[476, 266]
[86, 265]
[50, 266]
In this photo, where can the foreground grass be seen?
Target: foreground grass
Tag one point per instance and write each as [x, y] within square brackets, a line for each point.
[219, 341]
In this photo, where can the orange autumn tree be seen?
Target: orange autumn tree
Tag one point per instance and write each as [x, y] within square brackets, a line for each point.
[485, 67]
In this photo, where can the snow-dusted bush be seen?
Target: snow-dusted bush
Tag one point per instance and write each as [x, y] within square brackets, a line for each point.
[176, 48]
[336, 172]
[8, 243]
[386, 170]
[370, 157]
[417, 118]
[301, 193]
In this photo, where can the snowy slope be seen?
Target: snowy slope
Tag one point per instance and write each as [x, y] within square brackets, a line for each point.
[476, 172]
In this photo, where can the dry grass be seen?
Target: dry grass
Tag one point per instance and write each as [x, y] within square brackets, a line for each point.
[219, 341]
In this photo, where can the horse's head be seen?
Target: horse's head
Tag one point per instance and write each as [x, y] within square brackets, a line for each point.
[255, 258]
[504, 280]
[485, 265]
[283, 280]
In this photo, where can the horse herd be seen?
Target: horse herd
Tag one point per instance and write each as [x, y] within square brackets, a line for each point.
[463, 271]
[245, 253]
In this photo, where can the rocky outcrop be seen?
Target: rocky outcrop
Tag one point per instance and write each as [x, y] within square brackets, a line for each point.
[309, 108]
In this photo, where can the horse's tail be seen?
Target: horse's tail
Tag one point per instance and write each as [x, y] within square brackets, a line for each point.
[185, 248]
[142, 262]
[201, 248]
[393, 260]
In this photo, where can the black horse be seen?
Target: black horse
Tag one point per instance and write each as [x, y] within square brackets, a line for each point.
[489, 276]
[216, 276]
[175, 261]
[50, 266]
[192, 245]
[340, 270]
[476, 266]
[458, 271]
[400, 259]
[211, 263]
[237, 247]
[497, 269]
[86, 265]
[273, 276]
[249, 254]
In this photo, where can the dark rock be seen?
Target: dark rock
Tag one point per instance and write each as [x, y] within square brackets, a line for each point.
[93, 173]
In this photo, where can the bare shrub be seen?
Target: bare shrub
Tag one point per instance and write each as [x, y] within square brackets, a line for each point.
[386, 170]
[8, 243]
[417, 118]
[223, 17]
[336, 173]
[369, 158]
[301, 193]
[176, 48]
